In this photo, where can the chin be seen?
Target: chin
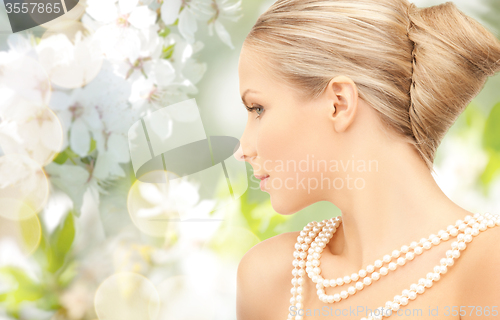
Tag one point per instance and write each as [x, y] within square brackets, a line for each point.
[285, 206]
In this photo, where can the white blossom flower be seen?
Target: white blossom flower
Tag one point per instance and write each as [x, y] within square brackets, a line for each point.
[29, 128]
[177, 196]
[119, 35]
[70, 65]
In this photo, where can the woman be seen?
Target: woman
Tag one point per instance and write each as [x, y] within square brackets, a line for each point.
[363, 92]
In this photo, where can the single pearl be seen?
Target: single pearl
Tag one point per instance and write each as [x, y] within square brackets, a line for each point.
[378, 263]
[326, 283]
[387, 258]
[395, 254]
[384, 271]
[401, 261]
[347, 279]
[375, 276]
[418, 250]
[468, 238]
[404, 301]
[367, 281]
[443, 269]
[362, 273]
[333, 283]
[359, 285]
[340, 281]
[351, 290]
[330, 298]
[393, 266]
[344, 294]
[420, 289]
[404, 249]
[370, 268]
[354, 277]
[410, 255]
[336, 297]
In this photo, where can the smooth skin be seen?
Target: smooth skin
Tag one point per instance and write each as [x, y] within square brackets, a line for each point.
[399, 202]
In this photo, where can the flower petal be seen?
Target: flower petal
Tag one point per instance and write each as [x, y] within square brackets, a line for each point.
[170, 11]
[79, 138]
[142, 17]
[126, 6]
[187, 25]
[223, 34]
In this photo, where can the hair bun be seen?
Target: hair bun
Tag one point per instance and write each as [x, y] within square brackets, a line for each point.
[454, 56]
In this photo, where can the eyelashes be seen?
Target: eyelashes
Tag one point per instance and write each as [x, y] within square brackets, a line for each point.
[252, 109]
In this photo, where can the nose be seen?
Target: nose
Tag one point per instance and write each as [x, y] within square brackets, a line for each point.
[246, 150]
[243, 152]
[239, 155]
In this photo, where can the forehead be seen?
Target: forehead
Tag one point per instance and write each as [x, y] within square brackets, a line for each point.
[252, 71]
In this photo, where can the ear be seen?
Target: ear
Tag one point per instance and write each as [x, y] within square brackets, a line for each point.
[342, 95]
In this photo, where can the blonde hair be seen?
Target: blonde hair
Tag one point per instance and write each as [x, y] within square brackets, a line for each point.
[418, 67]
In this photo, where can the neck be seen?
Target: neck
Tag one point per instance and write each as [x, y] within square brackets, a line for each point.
[400, 203]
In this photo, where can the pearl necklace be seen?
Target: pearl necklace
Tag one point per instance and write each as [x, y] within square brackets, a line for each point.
[316, 235]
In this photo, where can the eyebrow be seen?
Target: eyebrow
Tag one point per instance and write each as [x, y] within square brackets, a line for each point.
[245, 93]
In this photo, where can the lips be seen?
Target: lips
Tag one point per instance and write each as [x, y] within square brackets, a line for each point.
[261, 177]
[263, 180]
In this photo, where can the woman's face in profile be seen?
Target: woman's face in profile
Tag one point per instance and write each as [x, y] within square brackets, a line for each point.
[284, 137]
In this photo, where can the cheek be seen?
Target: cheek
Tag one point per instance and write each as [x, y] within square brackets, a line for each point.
[291, 138]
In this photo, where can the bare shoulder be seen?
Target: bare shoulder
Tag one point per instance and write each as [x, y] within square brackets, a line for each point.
[480, 277]
[264, 275]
